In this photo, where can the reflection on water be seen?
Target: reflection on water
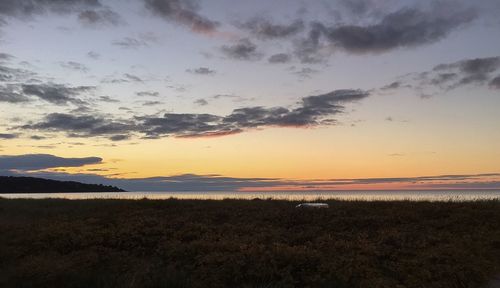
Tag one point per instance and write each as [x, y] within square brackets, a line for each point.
[425, 195]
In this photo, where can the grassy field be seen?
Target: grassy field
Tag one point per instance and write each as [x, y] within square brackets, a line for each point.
[238, 243]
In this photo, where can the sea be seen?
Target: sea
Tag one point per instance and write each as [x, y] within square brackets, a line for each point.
[413, 195]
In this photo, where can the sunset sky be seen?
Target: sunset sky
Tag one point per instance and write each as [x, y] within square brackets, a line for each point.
[252, 95]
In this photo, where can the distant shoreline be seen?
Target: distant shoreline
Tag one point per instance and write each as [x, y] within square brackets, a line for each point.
[32, 185]
[415, 196]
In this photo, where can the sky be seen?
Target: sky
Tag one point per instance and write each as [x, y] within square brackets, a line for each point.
[223, 95]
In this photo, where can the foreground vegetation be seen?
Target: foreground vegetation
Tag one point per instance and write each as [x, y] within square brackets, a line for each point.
[238, 243]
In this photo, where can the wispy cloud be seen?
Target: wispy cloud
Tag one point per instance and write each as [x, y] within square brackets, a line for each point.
[201, 71]
[72, 65]
[448, 76]
[100, 17]
[495, 82]
[265, 29]
[244, 49]
[279, 58]
[130, 43]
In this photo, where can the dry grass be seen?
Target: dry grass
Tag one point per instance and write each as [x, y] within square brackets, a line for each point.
[238, 243]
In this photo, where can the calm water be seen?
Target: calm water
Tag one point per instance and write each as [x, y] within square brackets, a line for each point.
[442, 195]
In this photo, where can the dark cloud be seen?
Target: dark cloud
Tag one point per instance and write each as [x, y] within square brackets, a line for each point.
[28, 8]
[407, 27]
[480, 65]
[98, 18]
[32, 162]
[202, 71]
[193, 182]
[90, 12]
[265, 29]
[37, 137]
[8, 136]
[8, 74]
[11, 94]
[310, 49]
[358, 7]
[458, 177]
[495, 82]
[244, 49]
[448, 76]
[312, 111]
[57, 93]
[71, 65]
[470, 71]
[279, 58]
[119, 137]
[184, 12]
[148, 93]
[82, 125]
[182, 125]
[404, 28]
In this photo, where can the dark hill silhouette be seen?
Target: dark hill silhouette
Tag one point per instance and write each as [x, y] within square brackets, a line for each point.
[9, 184]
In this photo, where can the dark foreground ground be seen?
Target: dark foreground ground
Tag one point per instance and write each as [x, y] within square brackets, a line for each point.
[237, 243]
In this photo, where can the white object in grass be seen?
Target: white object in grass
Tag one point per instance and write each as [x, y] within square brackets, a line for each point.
[312, 205]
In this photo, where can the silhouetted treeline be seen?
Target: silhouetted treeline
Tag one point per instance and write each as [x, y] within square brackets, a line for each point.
[38, 185]
[238, 243]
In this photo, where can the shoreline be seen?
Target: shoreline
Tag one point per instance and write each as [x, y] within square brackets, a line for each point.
[379, 195]
[450, 200]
